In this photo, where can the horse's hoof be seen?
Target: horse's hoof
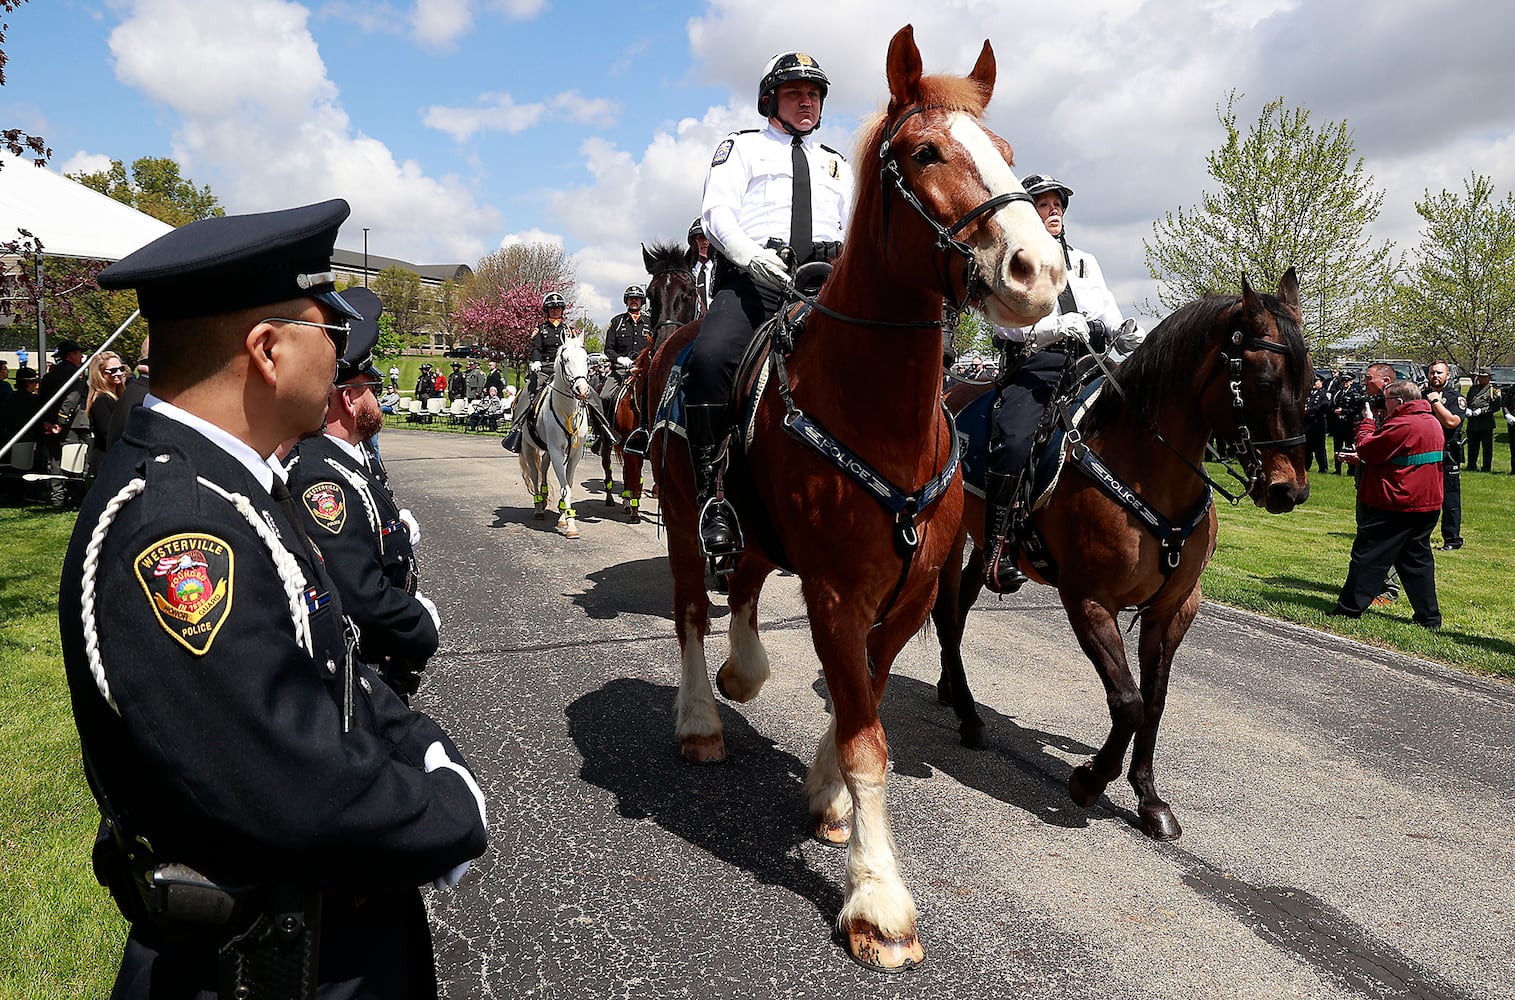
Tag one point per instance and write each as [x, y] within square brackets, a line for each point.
[610, 501]
[1159, 823]
[1084, 787]
[872, 950]
[833, 832]
[636, 518]
[540, 515]
[703, 749]
[731, 693]
[974, 737]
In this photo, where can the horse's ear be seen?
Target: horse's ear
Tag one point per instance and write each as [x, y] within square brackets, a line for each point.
[984, 71]
[646, 259]
[903, 66]
[1253, 310]
[1288, 290]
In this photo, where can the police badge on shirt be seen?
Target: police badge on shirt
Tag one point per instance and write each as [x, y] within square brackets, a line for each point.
[188, 582]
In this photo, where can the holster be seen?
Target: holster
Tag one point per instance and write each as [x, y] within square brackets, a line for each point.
[276, 957]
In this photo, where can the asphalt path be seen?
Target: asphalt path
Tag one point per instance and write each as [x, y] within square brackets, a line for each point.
[1347, 813]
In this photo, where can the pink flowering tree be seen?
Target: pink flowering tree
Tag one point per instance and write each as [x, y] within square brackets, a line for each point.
[504, 319]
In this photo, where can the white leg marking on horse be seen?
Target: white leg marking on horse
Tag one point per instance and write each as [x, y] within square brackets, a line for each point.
[824, 788]
[875, 891]
[697, 715]
[748, 666]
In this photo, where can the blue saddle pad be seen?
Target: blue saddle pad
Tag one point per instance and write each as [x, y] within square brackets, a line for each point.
[973, 439]
[670, 411]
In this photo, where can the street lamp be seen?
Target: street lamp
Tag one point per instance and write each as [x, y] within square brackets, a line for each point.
[365, 256]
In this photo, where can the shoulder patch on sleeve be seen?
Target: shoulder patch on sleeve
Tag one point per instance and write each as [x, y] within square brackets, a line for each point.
[188, 582]
[326, 503]
[722, 152]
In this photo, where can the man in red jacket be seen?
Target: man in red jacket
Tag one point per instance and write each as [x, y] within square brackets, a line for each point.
[1399, 502]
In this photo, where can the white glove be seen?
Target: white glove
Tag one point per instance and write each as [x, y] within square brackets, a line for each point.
[1509, 418]
[436, 759]
[768, 269]
[444, 882]
[1045, 332]
[1073, 324]
[431, 609]
[412, 525]
[623, 361]
[536, 366]
[1129, 337]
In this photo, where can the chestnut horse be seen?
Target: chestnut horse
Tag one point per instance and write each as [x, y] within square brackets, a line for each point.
[1235, 366]
[938, 215]
[672, 301]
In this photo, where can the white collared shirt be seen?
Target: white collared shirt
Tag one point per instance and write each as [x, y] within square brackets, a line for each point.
[750, 188]
[262, 469]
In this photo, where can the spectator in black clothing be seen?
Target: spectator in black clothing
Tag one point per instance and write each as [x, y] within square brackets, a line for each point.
[107, 377]
[1317, 415]
[457, 383]
[1483, 404]
[494, 380]
[1344, 409]
[5, 386]
[132, 395]
[19, 407]
[1451, 411]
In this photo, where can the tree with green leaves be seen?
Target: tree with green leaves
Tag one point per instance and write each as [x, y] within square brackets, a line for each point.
[1289, 196]
[1457, 299]
[157, 188]
[400, 291]
[440, 311]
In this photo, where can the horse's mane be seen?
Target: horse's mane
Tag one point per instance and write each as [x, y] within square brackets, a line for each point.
[1163, 366]
[669, 256]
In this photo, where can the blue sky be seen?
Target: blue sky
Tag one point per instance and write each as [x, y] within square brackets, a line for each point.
[456, 126]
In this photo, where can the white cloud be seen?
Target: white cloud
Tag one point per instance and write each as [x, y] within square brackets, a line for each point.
[528, 236]
[519, 10]
[438, 22]
[84, 163]
[500, 113]
[266, 129]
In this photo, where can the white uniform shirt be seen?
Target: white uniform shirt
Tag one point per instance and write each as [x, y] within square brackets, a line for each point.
[750, 187]
[1090, 294]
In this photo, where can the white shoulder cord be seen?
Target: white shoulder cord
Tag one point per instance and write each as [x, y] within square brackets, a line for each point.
[290, 574]
[360, 486]
[91, 566]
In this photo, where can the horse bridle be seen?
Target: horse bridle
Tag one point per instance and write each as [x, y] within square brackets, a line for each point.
[1243, 447]
[946, 236]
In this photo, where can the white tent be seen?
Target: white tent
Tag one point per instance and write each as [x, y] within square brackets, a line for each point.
[70, 219]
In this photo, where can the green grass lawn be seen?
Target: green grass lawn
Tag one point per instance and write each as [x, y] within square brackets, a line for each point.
[1291, 567]
[60, 935]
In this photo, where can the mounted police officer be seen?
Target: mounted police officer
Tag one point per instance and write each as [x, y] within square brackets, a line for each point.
[264, 792]
[702, 259]
[544, 351]
[368, 541]
[763, 225]
[625, 337]
[1086, 318]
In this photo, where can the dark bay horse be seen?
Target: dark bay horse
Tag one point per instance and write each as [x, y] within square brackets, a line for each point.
[939, 215]
[672, 301]
[1235, 366]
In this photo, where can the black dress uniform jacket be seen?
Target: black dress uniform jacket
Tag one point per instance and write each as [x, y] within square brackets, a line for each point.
[223, 741]
[355, 522]
[625, 337]
[546, 342]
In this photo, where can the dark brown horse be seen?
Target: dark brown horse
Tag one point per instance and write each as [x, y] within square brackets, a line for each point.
[1233, 366]
[672, 301]
[938, 214]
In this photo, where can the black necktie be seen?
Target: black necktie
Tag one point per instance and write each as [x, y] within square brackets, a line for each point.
[280, 492]
[1065, 303]
[799, 212]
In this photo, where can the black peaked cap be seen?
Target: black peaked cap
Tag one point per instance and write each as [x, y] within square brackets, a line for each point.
[358, 358]
[235, 262]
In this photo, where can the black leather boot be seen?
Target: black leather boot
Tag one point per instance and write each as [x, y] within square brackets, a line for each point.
[719, 534]
[1002, 572]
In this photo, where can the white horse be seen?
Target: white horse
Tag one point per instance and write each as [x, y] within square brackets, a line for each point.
[561, 424]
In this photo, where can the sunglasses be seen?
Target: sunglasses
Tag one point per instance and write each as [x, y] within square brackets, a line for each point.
[336, 333]
[118, 370]
[358, 387]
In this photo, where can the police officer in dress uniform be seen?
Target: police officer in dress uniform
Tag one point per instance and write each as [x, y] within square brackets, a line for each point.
[1086, 318]
[545, 344]
[1451, 411]
[367, 540]
[760, 226]
[271, 805]
[703, 261]
[625, 337]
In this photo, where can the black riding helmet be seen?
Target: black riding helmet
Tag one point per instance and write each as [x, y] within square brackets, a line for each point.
[781, 69]
[552, 300]
[1036, 184]
[633, 292]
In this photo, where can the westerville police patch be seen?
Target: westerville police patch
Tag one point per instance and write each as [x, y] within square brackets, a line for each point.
[188, 581]
[325, 503]
[722, 152]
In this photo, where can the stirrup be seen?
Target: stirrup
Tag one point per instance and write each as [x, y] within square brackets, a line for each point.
[637, 443]
[709, 510]
[1007, 580]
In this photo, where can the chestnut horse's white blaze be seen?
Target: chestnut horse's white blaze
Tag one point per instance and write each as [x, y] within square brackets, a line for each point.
[562, 424]
[1020, 261]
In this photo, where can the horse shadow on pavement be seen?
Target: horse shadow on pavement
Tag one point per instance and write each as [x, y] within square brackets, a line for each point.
[748, 812]
[634, 587]
[1022, 767]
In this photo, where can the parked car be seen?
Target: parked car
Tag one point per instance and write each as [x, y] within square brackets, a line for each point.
[464, 351]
